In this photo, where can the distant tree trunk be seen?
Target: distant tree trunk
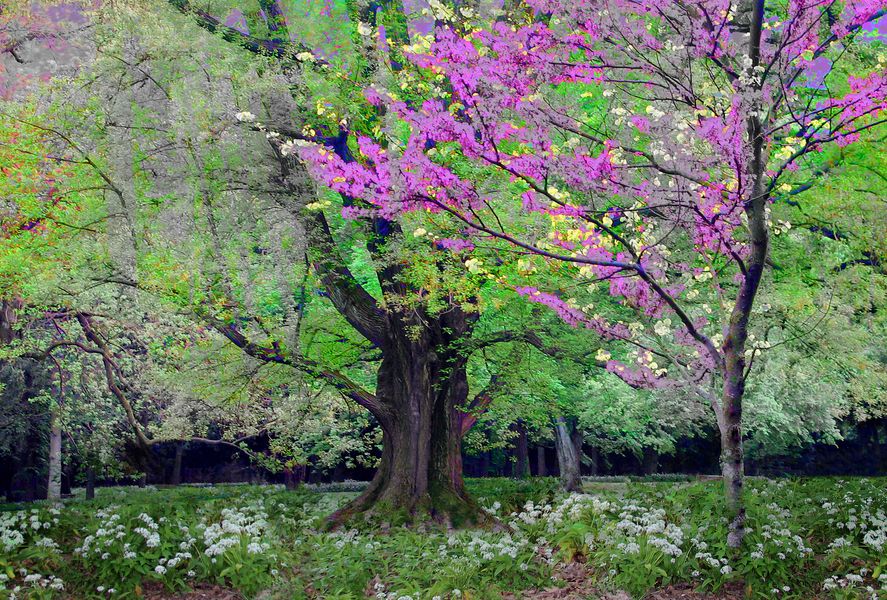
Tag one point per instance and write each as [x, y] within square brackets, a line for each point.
[54, 484]
[90, 483]
[8, 318]
[484, 463]
[522, 452]
[66, 482]
[878, 447]
[568, 458]
[595, 461]
[293, 477]
[143, 480]
[540, 461]
[176, 477]
[650, 461]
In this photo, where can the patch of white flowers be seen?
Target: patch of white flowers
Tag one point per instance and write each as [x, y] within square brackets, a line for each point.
[618, 531]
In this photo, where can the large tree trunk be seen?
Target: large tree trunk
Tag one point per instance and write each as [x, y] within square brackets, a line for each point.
[568, 458]
[54, 485]
[421, 384]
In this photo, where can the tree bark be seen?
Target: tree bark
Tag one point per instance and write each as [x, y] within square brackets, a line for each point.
[732, 464]
[567, 457]
[175, 477]
[522, 452]
[595, 461]
[421, 385]
[294, 476]
[90, 483]
[54, 485]
[541, 470]
[734, 363]
[650, 461]
[8, 318]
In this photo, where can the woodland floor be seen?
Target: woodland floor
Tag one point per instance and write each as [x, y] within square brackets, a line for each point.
[808, 539]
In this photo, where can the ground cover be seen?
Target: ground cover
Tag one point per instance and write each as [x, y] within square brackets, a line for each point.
[808, 538]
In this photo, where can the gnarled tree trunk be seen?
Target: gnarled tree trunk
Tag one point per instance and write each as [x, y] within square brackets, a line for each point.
[421, 384]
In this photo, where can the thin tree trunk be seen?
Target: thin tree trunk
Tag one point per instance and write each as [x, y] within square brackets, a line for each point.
[176, 476]
[90, 483]
[734, 364]
[567, 457]
[732, 465]
[540, 461]
[650, 461]
[595, 461]
[522, 452]
[54, 485]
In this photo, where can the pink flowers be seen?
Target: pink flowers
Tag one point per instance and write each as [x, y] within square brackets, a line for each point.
[658, 167]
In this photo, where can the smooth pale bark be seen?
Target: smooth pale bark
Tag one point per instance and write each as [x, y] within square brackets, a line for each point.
[568, 456]
[54, 483]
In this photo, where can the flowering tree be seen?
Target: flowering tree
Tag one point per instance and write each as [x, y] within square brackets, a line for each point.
[410, 306]
[648, 140]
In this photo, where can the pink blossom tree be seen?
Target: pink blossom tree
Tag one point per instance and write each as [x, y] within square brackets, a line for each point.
[643, 143]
